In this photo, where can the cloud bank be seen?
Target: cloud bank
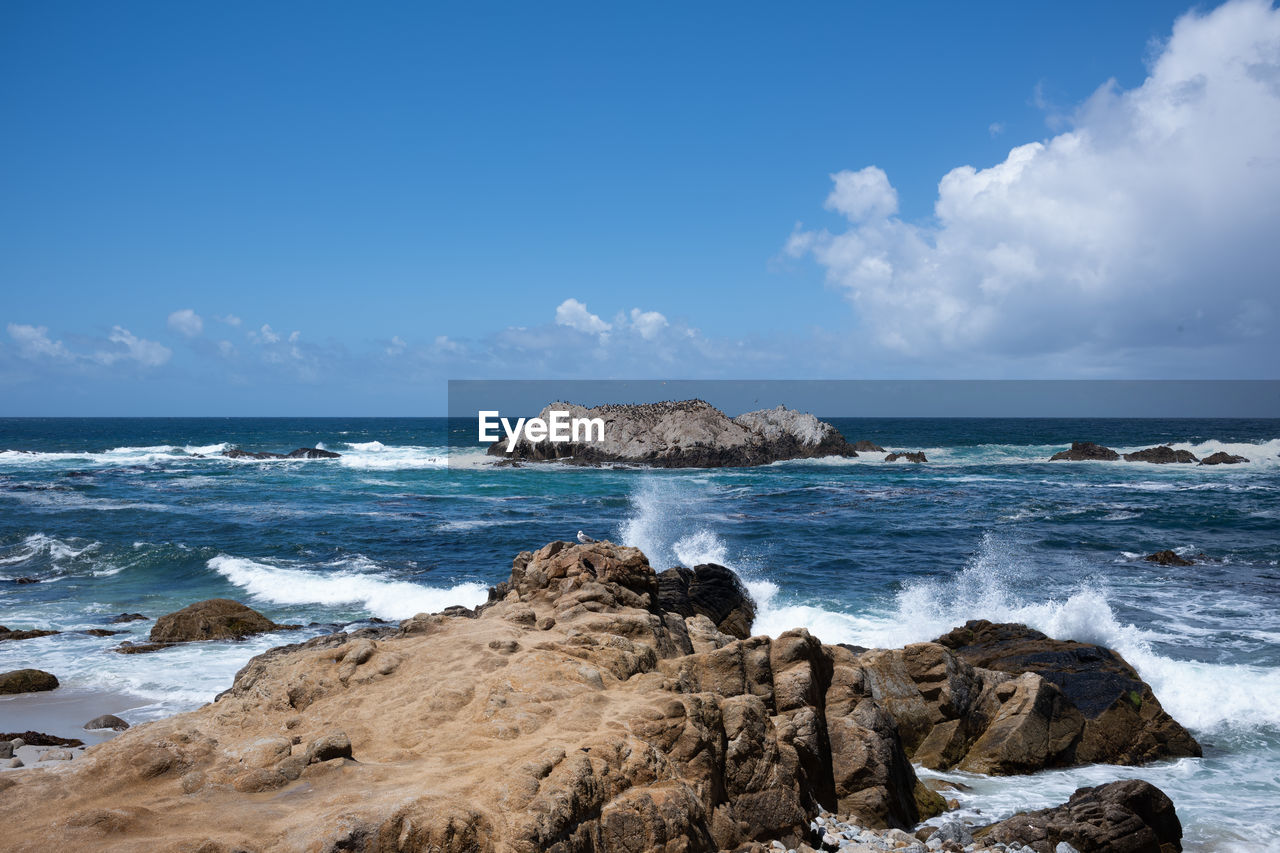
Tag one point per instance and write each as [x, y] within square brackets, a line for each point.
[1150, 223]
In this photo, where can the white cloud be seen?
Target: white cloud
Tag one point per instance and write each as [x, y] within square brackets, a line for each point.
[186, 322]
[648, 323]
[1150, 223]
[995, 128]
[575, 315]
[147, 353]
[865, 194]
[396, 346]
[226, 349]
[229, 319]
[265, 335]
[34, 343]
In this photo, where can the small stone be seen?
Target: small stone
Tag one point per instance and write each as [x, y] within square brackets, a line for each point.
[14, 762]
[18, 743]
[1064, 847]
[56, 755]
[335, 745]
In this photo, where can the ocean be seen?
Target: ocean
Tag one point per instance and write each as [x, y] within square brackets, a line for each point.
[142, 515]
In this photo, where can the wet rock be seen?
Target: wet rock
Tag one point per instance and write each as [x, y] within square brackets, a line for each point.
[107, 721]
[1168, 558]
[26, 580]
[1120, 817]
[237, 453]
[129, 648]
[39, 739]
[9, 634]
[917, 456]
[709, 590]
[1123, 721]
[864, 446]
[1085, 451]
[1162, 455]
[312, 453]
[27, 681]
[129, 617]
[102, 632]
[213, 619]
[1222, 458]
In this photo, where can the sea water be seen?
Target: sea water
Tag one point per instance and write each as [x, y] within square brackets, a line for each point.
[144, 515]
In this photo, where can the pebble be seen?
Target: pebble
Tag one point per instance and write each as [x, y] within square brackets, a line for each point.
[14, 762]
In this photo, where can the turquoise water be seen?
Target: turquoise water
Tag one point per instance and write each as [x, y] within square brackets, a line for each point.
[116, 515]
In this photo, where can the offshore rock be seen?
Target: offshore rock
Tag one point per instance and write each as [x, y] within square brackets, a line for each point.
[1223, 458]
[1085, 451]
[917, 456]
[1162, 455]
[1168, 558]
[685, 434]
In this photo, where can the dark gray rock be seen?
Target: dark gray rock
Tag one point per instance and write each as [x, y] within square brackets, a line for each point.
[1085, 451]
[1162, 455]
[712, 591]
[27, 681]
[107, 721]
[917, 456]
[1221, 458]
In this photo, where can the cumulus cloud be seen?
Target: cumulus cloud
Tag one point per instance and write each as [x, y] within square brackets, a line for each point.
[229, 319]
[186, 322]
[648, 323]
[575, 315]
[1150, 222]
[33, 343]
[132, 348]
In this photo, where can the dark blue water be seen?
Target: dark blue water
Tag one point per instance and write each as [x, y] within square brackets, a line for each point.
[115, 515]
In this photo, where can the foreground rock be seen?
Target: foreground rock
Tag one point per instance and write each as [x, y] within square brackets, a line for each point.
[1005, 699]
[1223, 458]
[686, 434]
[27, 681]
[213, 619]
[574, 712]
[1121, 817]
[1085, 451]
[1168, 558]
[1162, 455]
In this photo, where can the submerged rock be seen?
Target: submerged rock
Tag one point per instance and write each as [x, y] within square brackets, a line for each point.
[213, 619]
[1168, 558]
[129, 617]
[685, 434]
[1132, 816]
[917, 456]
[312, 453]
[1162, 455]
[1085, 451]
[10, 634]
[27, 681]
[1222, 458]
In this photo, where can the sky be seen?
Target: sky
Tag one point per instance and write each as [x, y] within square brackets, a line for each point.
[328, 208]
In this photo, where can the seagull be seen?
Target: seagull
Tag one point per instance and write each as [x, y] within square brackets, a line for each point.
[584, 538]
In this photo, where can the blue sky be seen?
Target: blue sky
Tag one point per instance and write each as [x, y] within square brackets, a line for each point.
[331, 208]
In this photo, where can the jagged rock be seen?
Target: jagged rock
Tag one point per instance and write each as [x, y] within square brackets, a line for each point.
[711, 590]
[1162, 455]
[917, 456]
[685, 434]
[1222, 458]
[26, 580]
[27, 681]
[102, 632]
[1168, 558]
[212, 619]
[312, 453]
[864, 446]
[130, 617]
[1085, 451]
[8, 634]
[1132, 816]
[1123, 722]
[603, 730]
[107, 721]
[237, 453]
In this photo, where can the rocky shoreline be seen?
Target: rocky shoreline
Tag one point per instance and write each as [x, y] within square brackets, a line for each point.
[595, 704]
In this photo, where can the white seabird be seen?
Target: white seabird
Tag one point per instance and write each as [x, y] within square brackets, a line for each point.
[584, 538]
